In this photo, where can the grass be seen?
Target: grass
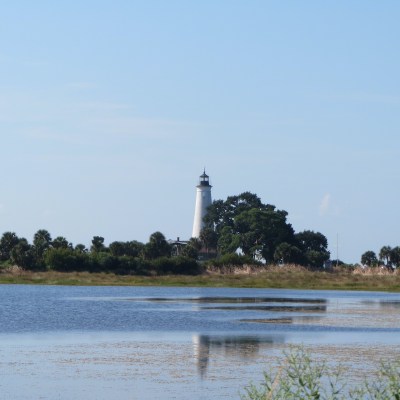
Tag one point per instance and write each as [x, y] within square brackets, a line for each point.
[288, 277]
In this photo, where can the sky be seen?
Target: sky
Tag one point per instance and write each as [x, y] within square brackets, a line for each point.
[110, 110]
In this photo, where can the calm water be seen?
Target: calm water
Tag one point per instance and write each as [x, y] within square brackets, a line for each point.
[177, 343]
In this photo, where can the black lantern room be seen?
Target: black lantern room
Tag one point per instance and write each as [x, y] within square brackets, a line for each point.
[204, 179]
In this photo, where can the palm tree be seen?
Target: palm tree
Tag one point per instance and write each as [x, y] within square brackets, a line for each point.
[97, 244]
[385, 255]
[7, 242]
[60, 242]
[395, 257]
[157, 246]
[41, 242]
[208, 238]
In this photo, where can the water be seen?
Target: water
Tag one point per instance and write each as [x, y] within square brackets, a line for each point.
[60, 342]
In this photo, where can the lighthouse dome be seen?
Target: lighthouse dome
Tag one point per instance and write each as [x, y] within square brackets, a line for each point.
[204, 179]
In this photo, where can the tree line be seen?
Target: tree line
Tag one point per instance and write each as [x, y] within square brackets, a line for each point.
[388, 257]
[240, 229]
[131, 257]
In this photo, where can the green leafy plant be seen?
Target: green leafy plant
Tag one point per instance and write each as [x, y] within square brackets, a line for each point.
[384, 386]
[299, 377]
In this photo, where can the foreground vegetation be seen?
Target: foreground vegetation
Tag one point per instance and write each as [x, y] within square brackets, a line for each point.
[299, 377]
[289, 277]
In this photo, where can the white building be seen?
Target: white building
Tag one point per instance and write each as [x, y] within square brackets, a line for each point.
[203, 200]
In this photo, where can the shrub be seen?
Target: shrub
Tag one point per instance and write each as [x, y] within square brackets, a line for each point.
[187, 266]
[65, 259]
[104, 262]
[127, 266]
[232, 259]
[231, 263]
[176, 265]
[298, 377]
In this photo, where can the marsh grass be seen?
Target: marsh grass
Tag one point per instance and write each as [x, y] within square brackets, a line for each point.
[288, 277]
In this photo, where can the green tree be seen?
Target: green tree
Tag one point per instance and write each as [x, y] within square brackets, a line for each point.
[395, 257]
[228, 241]
[314, 246]
[196, 243]
[209, 239]
[385, 255]
[244, 222]
[41, 242]
[60, 242]
[117, 249]
[156, 247]
[97, 244]
[22, 254]
[131, 249]
[261, 231]
[190, 252]
[287, 253]
[369, 258]
[81, 248]
[192, 248]
[223, 213]
[7, 242]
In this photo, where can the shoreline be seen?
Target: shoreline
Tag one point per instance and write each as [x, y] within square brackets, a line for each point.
[272, 278]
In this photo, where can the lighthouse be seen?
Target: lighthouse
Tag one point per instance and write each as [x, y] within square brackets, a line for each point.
[203, 200]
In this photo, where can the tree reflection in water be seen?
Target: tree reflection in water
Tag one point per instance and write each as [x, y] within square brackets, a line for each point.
[244, 347]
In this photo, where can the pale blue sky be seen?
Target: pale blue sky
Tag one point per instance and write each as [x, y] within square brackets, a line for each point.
[110, 109]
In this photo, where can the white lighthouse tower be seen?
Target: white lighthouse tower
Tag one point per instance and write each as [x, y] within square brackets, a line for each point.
[203, 200]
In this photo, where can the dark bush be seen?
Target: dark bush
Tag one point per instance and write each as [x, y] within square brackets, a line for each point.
[232, 259]
[103, 262]
[180, 265]
[66, 259]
